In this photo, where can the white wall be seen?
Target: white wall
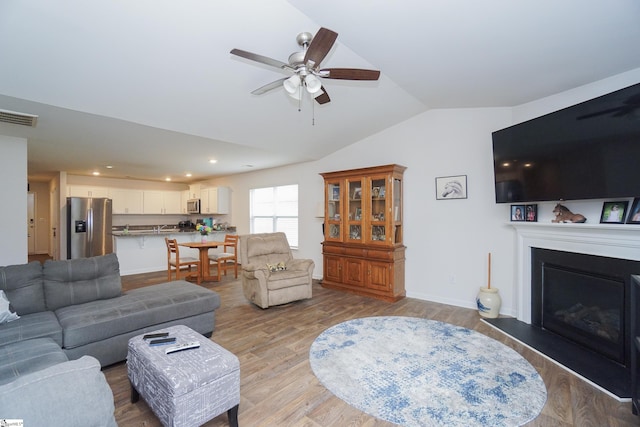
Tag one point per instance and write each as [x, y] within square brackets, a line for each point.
[447, 240]
[13, 216]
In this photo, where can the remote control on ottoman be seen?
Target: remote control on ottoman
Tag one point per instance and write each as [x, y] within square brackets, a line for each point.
[186, 383]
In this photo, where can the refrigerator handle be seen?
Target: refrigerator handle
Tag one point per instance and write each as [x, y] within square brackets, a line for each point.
[90, 231]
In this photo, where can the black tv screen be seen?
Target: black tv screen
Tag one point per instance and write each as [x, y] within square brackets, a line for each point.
[587, 151]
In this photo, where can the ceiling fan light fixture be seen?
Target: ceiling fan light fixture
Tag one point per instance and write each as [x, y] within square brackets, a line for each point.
[297, 95]
[292, 84]
[312, 83]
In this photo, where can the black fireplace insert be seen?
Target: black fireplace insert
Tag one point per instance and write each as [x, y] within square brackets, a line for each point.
[585, 299]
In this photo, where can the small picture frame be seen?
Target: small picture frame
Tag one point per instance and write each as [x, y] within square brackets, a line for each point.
[451, 187]
[531, 213]
[614, 212]
[335, 193]
[358, 214]
[357, 193]
[517, 212]
[634, 214]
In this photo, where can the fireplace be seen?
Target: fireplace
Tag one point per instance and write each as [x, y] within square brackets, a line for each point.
[589, 336]
[584, 299]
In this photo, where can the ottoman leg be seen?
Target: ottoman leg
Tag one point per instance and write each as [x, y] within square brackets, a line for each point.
[233, 416]
[135, 396]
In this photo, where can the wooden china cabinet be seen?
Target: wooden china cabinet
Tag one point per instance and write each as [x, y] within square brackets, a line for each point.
[362, 250]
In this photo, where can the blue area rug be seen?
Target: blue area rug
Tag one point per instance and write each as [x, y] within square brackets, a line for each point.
[419, 372]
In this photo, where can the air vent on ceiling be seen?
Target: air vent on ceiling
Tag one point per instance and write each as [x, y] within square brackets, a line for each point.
[16, 118]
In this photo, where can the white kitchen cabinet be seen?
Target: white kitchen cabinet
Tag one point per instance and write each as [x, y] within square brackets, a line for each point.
[162, 202]
[87, 191]
[214, 200]
[194, 191]
[126, 201]
[173, 202]
[184, 196]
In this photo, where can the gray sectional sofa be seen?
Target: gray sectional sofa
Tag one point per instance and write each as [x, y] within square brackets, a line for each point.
[75, 319]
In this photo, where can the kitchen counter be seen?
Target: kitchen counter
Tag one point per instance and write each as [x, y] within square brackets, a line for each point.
[145, 251]
[167, 231]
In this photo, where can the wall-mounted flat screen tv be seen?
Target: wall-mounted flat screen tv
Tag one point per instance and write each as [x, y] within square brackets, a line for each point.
[587, 151]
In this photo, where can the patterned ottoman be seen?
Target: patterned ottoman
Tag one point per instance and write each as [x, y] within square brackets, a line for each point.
[187, 388]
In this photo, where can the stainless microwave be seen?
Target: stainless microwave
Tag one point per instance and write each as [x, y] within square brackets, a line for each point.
[193, 206]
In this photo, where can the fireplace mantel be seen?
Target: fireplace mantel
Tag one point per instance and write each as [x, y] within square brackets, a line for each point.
[615, 241]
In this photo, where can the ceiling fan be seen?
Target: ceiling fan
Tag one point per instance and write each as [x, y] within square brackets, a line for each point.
[305, 66]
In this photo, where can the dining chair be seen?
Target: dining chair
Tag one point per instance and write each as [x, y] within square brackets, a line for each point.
[175, 262]
[226, 259]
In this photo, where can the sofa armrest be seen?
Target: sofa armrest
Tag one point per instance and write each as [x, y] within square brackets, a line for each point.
[300, 264]
[69, 394]
[255, 270]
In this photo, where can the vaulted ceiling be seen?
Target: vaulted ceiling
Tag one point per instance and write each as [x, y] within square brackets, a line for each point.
[150, 88]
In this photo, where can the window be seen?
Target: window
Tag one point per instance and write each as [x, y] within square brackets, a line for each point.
[275, 209]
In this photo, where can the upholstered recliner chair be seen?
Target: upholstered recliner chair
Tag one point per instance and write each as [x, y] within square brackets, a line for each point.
[270, 274]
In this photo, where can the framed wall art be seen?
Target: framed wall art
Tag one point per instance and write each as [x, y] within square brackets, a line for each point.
[451, 187]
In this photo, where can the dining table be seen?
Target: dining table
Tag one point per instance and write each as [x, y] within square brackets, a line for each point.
[203, 248]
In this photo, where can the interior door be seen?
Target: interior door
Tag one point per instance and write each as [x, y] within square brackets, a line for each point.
[31, 223]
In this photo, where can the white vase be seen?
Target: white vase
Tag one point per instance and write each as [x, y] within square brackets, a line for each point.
[204, 238]
[489, 302]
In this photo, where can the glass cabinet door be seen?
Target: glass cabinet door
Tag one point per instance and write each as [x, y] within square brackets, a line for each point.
[332, 216]
[396, 210]
[354, 209]
[378, 210]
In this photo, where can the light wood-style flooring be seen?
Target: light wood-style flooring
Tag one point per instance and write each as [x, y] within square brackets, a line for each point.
[278, 387]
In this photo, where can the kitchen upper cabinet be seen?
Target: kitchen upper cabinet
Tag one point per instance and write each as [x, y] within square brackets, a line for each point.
[87, 191]
[162, 202]
[214, 200]
[194, 191]
[173, 202]
[126, 201]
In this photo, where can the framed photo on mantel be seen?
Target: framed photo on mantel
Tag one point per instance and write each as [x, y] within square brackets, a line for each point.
[634, 214]
[614, 212]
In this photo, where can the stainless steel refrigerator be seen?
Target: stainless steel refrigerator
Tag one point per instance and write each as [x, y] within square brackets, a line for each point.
[88, 227]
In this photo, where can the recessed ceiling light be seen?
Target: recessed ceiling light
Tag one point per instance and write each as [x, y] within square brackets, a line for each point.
[96, 173]
[212, 161]
[528, 165]
[188, 174]
[109, 167]
[167, 178]
[506, 164]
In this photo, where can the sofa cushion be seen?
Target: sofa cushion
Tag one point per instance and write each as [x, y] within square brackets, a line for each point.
[266, 248]
[137, 309]
[23, 286]
[77, 281]
[35, 325]
[7, 313]
[68, 394]
[287, 278]
[23, 357]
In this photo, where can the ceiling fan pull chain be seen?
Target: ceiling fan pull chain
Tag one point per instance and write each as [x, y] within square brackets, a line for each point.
[313, 113]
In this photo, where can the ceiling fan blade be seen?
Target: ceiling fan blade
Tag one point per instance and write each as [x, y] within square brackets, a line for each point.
[323, 98]
[262, 59]
[349, 74]
[320, 46]
[269, 86]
